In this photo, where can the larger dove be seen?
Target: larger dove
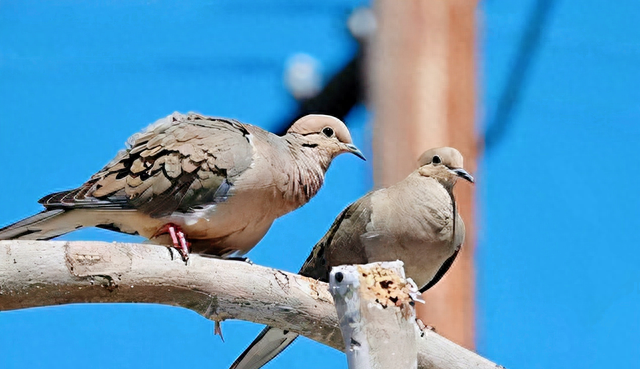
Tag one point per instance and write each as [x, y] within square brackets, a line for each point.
[215, 182]
[416, 221]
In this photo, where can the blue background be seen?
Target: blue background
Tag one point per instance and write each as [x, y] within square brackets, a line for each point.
[557, 259]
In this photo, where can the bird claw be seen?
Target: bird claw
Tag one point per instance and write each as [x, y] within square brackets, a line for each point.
[423, 327]
[178, 239]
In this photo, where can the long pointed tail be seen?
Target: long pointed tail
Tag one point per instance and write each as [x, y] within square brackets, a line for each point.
[42, 226]
[265, 347]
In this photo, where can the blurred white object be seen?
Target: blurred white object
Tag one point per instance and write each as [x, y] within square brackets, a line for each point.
[303, 76]
[362, 23]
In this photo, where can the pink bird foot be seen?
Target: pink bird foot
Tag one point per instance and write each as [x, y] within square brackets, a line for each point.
[178, 238]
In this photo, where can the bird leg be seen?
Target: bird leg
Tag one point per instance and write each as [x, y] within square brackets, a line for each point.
[178, 238]
[423, 327]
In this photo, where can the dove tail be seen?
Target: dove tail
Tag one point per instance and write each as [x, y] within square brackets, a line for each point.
[265, 347]
[36, 227]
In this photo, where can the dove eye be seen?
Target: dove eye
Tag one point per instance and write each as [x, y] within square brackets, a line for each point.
[327, 131]
[436, 159]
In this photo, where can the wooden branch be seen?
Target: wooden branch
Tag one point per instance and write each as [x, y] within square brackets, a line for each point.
[41, 273]
[377, 319]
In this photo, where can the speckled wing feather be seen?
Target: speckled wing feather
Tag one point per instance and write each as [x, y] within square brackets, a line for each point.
[342, 243]
[176, 164]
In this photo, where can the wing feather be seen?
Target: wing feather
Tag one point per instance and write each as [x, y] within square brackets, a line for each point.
[177, 163]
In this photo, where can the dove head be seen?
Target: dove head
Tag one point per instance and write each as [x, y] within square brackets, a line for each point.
[325, 134]
[444, 164]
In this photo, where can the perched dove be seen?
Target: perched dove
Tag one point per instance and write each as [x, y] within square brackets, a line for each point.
[415, 220]
[217, 182]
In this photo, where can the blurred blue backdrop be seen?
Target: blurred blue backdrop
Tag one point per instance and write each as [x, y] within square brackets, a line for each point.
[558, 257]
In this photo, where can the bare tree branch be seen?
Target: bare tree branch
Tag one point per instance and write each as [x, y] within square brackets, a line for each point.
[40, 273]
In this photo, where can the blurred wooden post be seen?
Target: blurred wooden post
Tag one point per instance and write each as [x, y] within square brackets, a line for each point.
[422, 89]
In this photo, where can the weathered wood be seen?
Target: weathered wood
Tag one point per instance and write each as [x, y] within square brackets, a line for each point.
[376, 315]
[41, 273]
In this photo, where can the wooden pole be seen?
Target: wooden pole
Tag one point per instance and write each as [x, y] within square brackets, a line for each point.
[377, 319]
[422, 78]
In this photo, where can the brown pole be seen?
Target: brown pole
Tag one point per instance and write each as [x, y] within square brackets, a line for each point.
[423, 92]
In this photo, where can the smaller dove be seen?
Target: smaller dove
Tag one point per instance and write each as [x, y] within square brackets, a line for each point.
[416, 221]
[213, 184]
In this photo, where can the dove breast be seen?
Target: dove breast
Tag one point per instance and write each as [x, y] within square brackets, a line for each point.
[412, 221]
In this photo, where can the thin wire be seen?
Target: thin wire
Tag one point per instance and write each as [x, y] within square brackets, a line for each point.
[511, 94]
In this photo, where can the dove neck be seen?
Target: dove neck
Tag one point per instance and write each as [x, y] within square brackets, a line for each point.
[308, 174]
[440, 174]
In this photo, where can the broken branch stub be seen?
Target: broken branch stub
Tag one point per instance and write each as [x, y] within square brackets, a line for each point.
[376, 315]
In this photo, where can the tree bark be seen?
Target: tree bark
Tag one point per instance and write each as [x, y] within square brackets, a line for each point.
[41, 273]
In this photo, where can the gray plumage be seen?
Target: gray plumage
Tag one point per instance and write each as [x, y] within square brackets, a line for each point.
[415, 220]
[221, 181]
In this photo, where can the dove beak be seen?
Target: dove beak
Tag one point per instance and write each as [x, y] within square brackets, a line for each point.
[354, 150]
[463, 174]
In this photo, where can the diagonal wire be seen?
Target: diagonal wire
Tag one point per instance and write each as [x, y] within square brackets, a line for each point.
[511, 94]
[338, 96]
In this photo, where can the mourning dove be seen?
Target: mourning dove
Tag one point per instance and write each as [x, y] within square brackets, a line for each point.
[217, 182]
[415, 220]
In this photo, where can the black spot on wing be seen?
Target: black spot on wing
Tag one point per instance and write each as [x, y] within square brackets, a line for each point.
[114, 228]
